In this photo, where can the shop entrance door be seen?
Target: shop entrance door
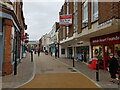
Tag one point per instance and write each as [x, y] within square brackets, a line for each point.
[108, 49]
[70, 52]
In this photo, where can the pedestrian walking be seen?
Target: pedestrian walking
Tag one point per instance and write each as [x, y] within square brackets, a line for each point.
[35, 51]
[51, 53]
[38, 52]
[56, 53]
[31, 55]
[113, 67]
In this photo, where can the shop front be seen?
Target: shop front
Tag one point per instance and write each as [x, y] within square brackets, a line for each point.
[82, 53]
[102, 46]
[52, 49]
[69, 52]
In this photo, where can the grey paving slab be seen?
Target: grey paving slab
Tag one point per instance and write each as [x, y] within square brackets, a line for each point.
[83, 68]
[25, 72]
[47, 64]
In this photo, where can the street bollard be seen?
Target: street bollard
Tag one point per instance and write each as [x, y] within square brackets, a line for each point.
[31, 56]
[97, 72]
[73, 62]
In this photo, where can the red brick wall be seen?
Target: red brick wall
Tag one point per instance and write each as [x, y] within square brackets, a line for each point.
[89, 15]
[108, 10]
[7, 66]
[79, 20]
[71, 8]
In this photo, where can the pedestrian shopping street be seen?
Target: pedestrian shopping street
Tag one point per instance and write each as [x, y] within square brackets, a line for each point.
[51, 73]
[47, 72]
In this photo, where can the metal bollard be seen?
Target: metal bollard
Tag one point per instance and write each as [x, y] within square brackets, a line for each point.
[31, 56]
[73, 62]
[97, 72]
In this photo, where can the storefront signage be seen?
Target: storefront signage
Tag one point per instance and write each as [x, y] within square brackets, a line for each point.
[24, 37]
[65, 19]
[106, 39]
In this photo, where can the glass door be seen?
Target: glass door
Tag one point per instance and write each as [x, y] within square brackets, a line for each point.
[108, 49]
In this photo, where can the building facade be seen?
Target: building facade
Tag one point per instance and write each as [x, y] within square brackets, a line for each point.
[12, 28]
[93, 33]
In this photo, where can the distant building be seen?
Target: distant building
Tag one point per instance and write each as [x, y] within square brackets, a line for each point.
[33, 45]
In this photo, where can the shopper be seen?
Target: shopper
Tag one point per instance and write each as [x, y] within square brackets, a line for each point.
[38, 52]
[113, 67]
[56, 52]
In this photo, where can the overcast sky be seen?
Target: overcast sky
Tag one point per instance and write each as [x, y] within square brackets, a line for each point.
[40, 17]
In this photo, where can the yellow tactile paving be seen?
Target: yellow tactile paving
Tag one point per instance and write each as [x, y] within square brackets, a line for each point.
[61, 80]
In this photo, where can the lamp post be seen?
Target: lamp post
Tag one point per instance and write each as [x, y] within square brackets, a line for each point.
[97, 71]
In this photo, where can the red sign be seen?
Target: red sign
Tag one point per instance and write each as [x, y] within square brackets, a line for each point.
[65, 19]
[24, 37]
[106, 39]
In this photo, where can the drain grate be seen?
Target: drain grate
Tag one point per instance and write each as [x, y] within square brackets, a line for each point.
[73, 70]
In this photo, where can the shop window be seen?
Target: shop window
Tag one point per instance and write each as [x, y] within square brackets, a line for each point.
[108, 49]
[98, 52]
[94, 10]
[85, 13]
[117, 51]
[62, 51]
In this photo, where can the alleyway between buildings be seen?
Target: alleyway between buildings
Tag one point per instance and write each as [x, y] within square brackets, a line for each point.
[51, 73]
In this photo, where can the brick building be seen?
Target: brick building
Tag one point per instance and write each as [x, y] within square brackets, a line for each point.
[95, 30]
[11, 31]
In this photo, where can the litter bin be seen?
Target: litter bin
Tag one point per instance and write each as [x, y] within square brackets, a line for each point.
[92, 63]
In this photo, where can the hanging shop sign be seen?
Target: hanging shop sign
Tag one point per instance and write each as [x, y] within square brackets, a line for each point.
[65, 19]
[24, 37]
[106, 39]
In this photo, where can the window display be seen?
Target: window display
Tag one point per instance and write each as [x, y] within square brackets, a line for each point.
[98, 52]
[117, 51]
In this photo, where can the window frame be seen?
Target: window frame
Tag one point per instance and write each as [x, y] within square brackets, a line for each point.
[84, 6]
[94, 16]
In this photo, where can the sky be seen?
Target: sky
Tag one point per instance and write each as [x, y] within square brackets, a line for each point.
[40, 16]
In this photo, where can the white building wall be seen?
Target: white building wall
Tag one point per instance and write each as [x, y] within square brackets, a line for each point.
[63, 55]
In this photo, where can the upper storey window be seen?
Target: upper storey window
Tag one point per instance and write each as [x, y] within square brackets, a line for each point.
[94, 10]
[84, 13]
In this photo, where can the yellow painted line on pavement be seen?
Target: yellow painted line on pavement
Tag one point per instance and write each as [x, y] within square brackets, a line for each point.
[61, 80]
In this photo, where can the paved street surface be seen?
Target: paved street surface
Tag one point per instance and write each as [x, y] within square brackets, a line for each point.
[48, 72]
[51, 73]
[104, 76]
[24, 74]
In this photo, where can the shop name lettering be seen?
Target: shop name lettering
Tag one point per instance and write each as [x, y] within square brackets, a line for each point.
[107, 39]
[66, 21]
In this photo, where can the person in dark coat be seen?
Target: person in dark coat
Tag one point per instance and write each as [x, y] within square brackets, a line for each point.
[38, 52]
[56, 52]
[113, 67]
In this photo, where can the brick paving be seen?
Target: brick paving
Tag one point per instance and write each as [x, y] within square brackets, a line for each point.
[24, 74]
[83, 68]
